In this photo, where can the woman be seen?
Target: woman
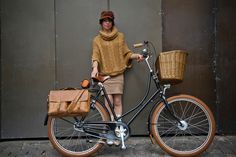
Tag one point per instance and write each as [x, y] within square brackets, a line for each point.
[111, 56]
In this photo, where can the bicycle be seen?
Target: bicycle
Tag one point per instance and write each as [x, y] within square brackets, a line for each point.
[182, 125]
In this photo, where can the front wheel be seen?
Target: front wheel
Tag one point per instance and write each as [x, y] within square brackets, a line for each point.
[69, 139]
[192, 135]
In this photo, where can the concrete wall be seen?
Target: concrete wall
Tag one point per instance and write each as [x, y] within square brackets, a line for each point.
[47, 44]
[27, 66]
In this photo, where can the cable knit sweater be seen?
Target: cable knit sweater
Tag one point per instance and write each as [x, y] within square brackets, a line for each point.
[111, 52]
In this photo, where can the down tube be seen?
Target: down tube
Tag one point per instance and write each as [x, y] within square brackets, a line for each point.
[143, 106]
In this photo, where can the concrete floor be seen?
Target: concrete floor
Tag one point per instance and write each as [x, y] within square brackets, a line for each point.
[222, 146]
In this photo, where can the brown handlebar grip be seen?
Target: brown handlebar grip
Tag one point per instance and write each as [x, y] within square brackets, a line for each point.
[138, 45]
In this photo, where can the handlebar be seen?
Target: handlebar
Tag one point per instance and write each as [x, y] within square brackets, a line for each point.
[138, 45]
[145, 52]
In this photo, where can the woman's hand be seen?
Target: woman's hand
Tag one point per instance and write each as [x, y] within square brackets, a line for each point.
[138, 57]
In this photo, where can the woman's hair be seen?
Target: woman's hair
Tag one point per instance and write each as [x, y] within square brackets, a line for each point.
[112, 21]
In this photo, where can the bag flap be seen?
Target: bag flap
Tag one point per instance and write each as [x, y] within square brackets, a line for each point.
[63, 95]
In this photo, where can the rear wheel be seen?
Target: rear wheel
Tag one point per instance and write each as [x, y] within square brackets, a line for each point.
[69, 139]
[193, 135]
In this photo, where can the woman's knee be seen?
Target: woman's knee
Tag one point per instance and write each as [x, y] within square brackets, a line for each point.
[117, 100]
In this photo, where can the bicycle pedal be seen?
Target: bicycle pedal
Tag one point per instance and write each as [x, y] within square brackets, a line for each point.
[117, 143]
[109, 142]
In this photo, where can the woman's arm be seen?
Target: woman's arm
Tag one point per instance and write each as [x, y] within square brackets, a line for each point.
[95, 59]
[94, 69]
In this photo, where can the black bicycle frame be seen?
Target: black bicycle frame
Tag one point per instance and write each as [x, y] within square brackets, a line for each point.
[142, 105]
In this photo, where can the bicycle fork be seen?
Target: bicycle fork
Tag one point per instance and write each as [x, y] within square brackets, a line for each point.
[167, 86]
[172, 115]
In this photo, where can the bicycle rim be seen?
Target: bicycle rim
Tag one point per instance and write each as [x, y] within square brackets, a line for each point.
[72, 141]
[193, 135]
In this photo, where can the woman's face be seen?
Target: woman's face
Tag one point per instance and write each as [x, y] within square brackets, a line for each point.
[107, 24]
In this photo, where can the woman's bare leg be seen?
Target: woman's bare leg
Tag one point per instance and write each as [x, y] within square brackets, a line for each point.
[117, 100]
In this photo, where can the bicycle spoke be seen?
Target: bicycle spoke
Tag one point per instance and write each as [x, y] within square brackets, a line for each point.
[197, 138]
[174, 142]
[190, 118]
[198, 123]
[63, 132]
[193, 116]
[196, 117]
[198, 128]
[194, 135]
[173, 111]
[170, 129]
[69, 140]
[79, 141]
[167, 120]
[181, 108]
[67, 121]
[186, 108]
[171, 138]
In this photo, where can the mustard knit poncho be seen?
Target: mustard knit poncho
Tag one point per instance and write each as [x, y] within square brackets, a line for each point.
[111, 52]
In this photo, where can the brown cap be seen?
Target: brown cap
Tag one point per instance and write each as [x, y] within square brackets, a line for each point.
[107, 14]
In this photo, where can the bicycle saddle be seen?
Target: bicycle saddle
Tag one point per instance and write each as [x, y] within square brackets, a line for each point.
[100, 78]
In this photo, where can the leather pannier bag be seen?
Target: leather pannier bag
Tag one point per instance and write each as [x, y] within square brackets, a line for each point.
[62, 103]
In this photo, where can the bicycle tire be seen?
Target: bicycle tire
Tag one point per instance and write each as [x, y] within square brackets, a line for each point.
[196, 133]
[71, 142]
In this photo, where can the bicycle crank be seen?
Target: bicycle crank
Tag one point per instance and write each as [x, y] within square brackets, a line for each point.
[122, 131]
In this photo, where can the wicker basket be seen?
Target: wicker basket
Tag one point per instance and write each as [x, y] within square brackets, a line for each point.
[171, 66]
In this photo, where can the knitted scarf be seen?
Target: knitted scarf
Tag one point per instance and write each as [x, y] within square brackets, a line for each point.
[109, 36]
